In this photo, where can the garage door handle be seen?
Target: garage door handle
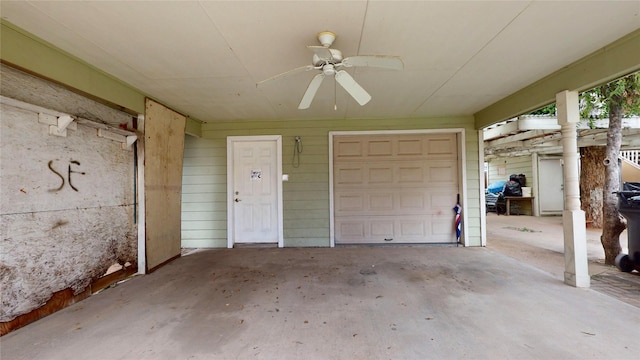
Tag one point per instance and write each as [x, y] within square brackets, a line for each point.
[388, 239]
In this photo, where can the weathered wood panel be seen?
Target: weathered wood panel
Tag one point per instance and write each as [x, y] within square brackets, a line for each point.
[164, 148]
[24, 87]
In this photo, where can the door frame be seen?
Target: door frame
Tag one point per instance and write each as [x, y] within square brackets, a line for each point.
[462, 170]
[278, 179]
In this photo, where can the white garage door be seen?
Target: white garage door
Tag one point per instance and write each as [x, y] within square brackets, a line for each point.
[397, 188]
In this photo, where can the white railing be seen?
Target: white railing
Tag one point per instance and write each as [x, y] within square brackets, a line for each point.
[631, 155]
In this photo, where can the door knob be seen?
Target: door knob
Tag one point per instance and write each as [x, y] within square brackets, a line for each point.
[237, 200]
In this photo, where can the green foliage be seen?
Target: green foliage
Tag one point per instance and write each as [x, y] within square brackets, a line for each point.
[592, 106]
[547, 110]
[624, 92]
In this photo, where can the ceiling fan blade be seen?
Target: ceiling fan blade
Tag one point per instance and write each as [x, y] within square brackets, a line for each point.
[381, 61]
[323, 52]
[286, 73]
[308, 96]
[352, 87]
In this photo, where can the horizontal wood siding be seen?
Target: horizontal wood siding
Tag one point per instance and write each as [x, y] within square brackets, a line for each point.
[204, 189]
[306, 194]
[513, 165]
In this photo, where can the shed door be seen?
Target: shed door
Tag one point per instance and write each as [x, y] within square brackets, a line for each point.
[551, 186]
[398, 188]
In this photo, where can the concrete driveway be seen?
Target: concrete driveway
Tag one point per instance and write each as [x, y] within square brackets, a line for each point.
[342, 303]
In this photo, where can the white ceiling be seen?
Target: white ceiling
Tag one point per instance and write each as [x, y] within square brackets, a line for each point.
[204, 58]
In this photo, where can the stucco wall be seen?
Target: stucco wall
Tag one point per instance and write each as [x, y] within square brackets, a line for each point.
[67, 202]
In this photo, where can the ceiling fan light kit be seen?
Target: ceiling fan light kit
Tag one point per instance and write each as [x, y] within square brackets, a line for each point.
[328, 61]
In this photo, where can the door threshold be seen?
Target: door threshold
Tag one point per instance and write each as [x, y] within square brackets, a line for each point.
[255, 245]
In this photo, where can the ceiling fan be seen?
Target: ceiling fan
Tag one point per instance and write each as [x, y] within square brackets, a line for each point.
[329, 61]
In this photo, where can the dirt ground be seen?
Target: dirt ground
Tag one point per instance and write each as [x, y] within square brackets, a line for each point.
[539, 241]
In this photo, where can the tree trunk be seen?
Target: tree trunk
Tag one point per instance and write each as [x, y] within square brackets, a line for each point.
[592, 183]
[613, 222]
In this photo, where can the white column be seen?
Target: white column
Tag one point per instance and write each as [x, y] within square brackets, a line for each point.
[576, 270]
[483, 213]
[142, 220]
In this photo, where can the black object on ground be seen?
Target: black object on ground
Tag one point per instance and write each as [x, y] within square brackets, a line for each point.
[629, 207]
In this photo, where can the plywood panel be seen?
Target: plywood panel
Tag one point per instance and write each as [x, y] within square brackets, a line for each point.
[164, 148]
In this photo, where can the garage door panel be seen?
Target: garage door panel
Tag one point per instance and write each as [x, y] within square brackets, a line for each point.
[381, 175]
[393, 173]
[411, 174]
[350, 202]
[349, 175]
[381, 147]
[384, 229]
[402, 147]
[348, 148]
[410, 147]
[442, 200]
[395, 188]
[416, 201]
[381, 202]
[443, 146]
[441, 174]
[441, 227]
[409, 228]
[352, 229]
[406, 202]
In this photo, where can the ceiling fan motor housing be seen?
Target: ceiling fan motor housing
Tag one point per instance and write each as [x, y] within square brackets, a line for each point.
[329, 70]
[336, 58]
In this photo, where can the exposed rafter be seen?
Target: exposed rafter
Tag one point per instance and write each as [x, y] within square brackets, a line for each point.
[533, 134]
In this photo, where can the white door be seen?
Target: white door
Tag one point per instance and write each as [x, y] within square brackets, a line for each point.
[254, 201]
[550, 186]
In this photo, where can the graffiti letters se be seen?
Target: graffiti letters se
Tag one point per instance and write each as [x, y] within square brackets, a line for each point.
[69, 172]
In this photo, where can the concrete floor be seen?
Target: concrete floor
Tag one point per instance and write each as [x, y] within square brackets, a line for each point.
[342, 303]
[538, 241]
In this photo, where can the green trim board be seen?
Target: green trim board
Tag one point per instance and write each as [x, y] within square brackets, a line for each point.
[26, 52]
[29, 53]
[617, 59]
[193, 127]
